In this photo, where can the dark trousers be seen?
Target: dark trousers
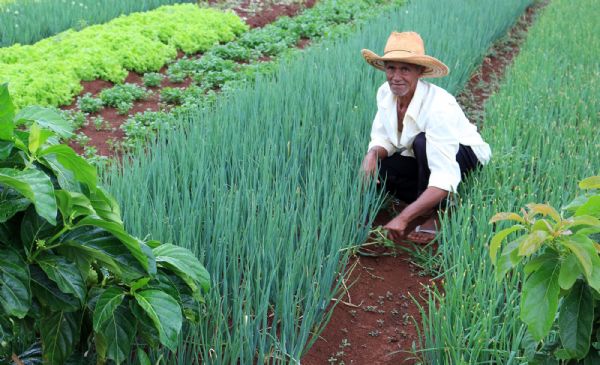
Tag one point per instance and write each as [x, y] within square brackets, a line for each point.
[408, 177]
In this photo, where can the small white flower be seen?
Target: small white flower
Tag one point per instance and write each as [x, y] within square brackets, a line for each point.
[16, 12]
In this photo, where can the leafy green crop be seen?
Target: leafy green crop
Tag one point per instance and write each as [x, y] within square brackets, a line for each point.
[70, 274]
[563, 267]
[49, 72]
[123, 96]
[88, 104]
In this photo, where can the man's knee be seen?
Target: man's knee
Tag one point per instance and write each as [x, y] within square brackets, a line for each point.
[419, 144]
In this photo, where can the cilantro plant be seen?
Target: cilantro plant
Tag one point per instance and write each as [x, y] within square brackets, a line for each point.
[153, 79]
[123, 96]
[88, 104]
[562, 274]
[171, 95]
[71, 277]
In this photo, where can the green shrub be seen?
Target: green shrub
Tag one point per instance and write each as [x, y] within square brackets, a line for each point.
[70, 273]
[562, 269]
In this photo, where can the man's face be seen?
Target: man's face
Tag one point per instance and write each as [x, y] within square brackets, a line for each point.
[402, 77]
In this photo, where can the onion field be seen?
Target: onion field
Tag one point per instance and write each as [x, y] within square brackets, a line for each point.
[224, 222]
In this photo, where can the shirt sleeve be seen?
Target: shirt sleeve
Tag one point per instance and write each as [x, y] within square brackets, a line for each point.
[379, 135]
[442, 146]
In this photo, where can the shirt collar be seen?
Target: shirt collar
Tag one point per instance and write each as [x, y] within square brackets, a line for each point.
[414, 108]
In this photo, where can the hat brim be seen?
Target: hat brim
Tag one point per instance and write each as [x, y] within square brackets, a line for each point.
[433, 66]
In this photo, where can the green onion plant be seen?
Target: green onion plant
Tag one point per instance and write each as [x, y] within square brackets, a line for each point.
[542, 126]
[28, 21]
[265, 186]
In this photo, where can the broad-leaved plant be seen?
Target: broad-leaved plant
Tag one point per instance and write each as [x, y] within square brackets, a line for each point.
[70, 275]
[560, 295]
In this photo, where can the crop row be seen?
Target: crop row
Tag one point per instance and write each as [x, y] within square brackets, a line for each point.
[49, 72]
[542, 126]
[265, 189]
[29, 21]
[224, 67]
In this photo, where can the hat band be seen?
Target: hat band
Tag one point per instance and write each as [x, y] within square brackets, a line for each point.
[398, 50]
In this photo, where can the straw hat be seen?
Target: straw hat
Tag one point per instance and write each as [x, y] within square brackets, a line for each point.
[406, 47]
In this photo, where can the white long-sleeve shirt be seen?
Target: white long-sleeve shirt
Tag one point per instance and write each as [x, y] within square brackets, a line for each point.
[434, 111]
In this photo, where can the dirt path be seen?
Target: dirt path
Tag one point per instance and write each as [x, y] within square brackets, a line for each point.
[376, 324]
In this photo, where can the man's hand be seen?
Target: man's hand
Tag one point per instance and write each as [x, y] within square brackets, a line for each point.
[430, 199]
[397, 228]
[369, 163]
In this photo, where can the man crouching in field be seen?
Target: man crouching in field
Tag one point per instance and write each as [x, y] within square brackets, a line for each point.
[420, 138]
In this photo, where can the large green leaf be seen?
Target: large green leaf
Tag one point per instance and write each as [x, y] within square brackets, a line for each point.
[539, 299]
[583, 247]
[64, 273]
[105, 205]
[7, 113]
[576, 203]
[176, 287]
[569, 272]
[102, 246]
[165, 313]
[143, 358]
[146, 329]
[575, 320]
[5, 149]
[504, 262]
[71, 161]
[60, 334]
[592, 182]
[73, 205]
[35, 186]
[118, 333]
[11, 202]
[35, 228]
[37, 137]
[106, 304]
[535, 263]
[47, 118]
[499, 237]
[532, 242]
[47, 293]
[591, 207]
[15, 295]
[184, 263]
[583, 223]
[133, 244]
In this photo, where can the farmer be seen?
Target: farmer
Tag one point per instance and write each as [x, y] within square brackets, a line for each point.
[420, 139]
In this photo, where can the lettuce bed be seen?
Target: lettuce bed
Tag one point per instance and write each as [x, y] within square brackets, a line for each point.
[49, 72]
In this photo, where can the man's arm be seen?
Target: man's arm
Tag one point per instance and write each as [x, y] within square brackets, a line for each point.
[430, 199]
